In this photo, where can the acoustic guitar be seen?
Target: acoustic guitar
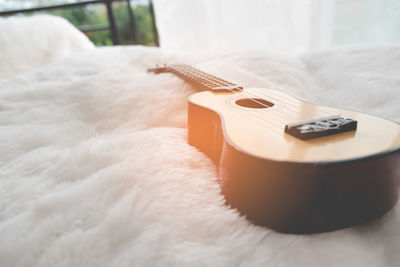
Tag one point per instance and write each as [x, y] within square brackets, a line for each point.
[290, 165]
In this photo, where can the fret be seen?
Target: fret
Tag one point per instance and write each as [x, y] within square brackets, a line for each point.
[200, 80]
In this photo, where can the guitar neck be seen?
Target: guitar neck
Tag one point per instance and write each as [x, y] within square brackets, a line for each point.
[200, 80]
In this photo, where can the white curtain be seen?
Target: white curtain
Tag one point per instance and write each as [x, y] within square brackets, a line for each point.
[281, 26]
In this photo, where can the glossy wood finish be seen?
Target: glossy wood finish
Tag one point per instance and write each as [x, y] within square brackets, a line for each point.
[288, 184]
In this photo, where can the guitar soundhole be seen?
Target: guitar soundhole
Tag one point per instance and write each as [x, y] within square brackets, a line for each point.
[254, 103]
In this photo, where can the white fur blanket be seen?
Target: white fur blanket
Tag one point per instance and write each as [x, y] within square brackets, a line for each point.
[95, 169]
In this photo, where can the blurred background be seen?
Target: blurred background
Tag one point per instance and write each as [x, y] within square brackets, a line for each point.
[105, 22]
[278, 26]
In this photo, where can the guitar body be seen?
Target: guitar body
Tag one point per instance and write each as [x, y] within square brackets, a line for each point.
[289, 165]
[288, 184]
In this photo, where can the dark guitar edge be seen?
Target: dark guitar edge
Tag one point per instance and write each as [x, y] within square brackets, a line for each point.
[320, 196]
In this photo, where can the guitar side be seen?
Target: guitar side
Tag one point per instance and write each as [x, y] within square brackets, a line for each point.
[289, 191]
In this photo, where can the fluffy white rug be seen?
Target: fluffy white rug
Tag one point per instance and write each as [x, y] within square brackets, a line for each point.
[31, 42]
[95, 169]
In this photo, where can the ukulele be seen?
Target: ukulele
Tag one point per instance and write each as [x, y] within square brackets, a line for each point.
[290, 165]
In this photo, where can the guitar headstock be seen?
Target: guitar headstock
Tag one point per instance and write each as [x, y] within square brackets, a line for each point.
[158, 69]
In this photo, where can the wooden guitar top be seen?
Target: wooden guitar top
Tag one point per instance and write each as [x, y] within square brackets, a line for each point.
[260, 131]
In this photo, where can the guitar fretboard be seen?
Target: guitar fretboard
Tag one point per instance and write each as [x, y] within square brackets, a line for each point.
[200, 80]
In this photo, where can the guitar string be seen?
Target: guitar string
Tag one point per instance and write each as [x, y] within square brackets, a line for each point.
[262, 117]
[278, 124]
[210, 81]
[267, 121]
[224, 83]
[229, 83]
[207, 76]
[283, 115]
[282, 110]
[267, 94]
[247, 95]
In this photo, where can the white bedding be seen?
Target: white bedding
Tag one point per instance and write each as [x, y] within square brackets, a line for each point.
[95, 169]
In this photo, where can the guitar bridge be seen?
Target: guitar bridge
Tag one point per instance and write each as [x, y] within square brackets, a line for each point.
[319, 127]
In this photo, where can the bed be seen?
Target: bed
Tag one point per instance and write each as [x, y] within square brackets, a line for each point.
[96, 170]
